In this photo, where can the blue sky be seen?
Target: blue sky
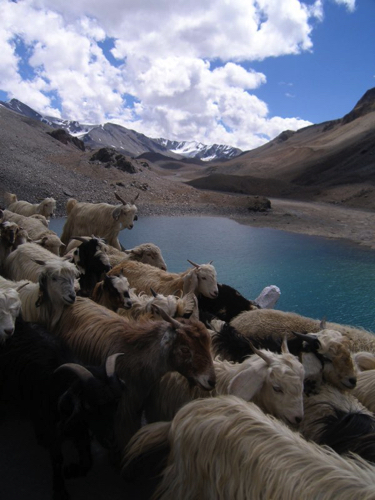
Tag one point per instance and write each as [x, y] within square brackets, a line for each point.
[236, 73]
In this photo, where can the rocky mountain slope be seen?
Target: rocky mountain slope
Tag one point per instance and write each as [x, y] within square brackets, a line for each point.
[128, 142]
[331, 161]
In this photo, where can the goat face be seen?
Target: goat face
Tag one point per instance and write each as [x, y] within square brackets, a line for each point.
[125, 215]
[148, 253]
[283, 390]
[57, 283]
[339, 368]
[190, 353]
[47, 207]
[207, 281]
[117, 288]
[10, 308]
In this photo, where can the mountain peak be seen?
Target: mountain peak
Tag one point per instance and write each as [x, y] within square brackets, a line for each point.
[365, 105]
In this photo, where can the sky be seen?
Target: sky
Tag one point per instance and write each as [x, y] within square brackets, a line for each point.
[234, 72]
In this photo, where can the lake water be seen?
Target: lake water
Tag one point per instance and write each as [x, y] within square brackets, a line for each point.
[317, 277]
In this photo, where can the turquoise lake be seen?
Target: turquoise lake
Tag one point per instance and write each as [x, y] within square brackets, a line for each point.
[317, 277]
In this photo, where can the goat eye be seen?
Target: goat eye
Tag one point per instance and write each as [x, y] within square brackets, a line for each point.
[185, 350]
[203, 278]
[276, 388]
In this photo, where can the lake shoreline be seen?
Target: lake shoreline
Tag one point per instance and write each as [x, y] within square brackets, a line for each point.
[325, 220]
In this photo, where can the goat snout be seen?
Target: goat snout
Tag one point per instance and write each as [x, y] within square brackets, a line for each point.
[350, 383]
[71, 298]
[9, 331]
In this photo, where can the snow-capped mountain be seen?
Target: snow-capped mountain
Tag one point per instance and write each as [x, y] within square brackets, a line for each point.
[128, 142]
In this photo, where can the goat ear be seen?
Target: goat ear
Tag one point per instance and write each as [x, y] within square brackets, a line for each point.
[323, 323]
[247, 383]
[117, 212]
[190, 282]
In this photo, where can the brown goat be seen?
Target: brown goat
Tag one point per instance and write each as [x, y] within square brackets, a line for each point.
[151, 349]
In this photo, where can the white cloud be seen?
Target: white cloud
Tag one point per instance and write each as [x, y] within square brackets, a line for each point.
[349, 4]
[180, 62]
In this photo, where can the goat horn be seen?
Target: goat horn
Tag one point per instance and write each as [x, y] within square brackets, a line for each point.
[21, 286]
[193, 263]
[110, 364]
[323, 323]
[261, 354]
[120, 199]
[153, 292]
[284, 345]
[176, 324]
[83, 373]
[312, 340]
[134, 199]
[79, 238]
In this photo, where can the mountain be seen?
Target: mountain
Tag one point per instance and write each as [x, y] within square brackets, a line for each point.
[127, 141]
[318, 161]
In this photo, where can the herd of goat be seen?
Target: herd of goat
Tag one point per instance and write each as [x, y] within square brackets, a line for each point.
[175, 374]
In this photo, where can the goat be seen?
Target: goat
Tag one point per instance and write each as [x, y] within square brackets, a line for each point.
[365, 389]
[225, 448]
[10, 308]
[200, 279]
[364, 360]
[272, 323]
[45, 301]
[101, 219]
[228, 303]
[24, 263]
[9, 232]
[37, 231]
[148, 253]
[273, 381]
[174, 306]
[92, 262]
[46, 207]
[151, 349]
[113, 293]
[63, 399]
[325, 355]
[337, 419]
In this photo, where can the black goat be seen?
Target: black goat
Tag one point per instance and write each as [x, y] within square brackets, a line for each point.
[63, 399]
[228, 304]
[92, 262]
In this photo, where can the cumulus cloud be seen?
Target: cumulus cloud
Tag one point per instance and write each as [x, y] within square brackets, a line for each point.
[173, 69]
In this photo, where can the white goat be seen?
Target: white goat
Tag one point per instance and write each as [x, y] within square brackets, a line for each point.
[200, 279]
[24, 263]
[273, 381]
[225, 448]
[100, 219]
[10, 308]
[174, 306]
[364, 360]
[46, 207]
[44, 302]
[365, 389]
[37, 231]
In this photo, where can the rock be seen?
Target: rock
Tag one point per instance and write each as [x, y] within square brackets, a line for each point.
[258, 204]
[63, 136]
[111, 158]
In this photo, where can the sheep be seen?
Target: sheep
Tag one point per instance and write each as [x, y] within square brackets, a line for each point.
[339, 420]
[148, 253]
[152, 348]
[273, 381]
[46, 207]
[37, 231]
[101, 219]
[325, 355]
[63, 399]
[92, 262]
[45, 301]
[174, 306]
[269, 322]
[10, 308]
[225, 448]
[112, 292]
[200, 279]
